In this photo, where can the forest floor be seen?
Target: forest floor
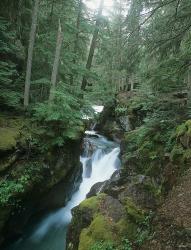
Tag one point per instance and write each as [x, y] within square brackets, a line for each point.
[172, 226]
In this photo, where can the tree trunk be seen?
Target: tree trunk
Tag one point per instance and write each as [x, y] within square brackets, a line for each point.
[56, 62]
[93, 44]
[52, 11]
[76, 46]
[30, 53]
[189, 89]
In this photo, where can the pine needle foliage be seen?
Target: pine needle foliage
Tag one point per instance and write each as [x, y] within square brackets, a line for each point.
[10, 90]
[60, 120]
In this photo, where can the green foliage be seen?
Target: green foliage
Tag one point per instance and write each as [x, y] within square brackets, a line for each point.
[60, 120]
[121, 110]
[10, 188]
[180, 152]
[103, 246]
[144, 231]
[126, 245]
[145, 143]
[10, 91]
[100, 92]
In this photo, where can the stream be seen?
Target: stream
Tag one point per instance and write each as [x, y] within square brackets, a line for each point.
[100, 160]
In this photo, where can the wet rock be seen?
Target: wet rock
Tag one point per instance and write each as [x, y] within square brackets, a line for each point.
[49, 172]
[113, 130]
[112, 208]
[96, 189]
[82, 218]
[100, 187]
[88, 168]
[4, 216]
[96, 219]
[141, 189]
[125, 123]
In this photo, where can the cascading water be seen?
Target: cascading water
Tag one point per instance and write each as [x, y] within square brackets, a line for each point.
[99, 160]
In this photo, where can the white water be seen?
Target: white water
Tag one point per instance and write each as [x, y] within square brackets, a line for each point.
[98, 166]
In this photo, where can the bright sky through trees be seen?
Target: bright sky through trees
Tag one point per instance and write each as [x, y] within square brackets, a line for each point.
[93, 4]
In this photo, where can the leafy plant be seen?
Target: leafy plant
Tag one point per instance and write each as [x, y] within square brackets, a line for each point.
[60, 120]
[103, 246]
[126, 245]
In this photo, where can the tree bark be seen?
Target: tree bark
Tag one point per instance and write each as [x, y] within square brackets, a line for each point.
[189, 88]
[30, 53]
[76, 46]
[56, 62]
[93, 44]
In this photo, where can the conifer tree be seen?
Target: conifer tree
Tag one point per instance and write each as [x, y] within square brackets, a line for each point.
[30, 53]
[56, 62]
[93, 44]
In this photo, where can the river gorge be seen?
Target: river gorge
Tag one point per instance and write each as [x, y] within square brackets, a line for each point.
[100, 159]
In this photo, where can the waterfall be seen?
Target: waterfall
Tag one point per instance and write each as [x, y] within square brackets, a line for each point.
[99, 160]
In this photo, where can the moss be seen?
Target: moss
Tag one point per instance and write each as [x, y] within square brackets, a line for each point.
[133, 212]
[12, 129]
[100, 229]
[92, 203]
[104, 229]
[86, 241]
[155, 190]
[8, 138]
[187, 154]
[176, 152]
[125, 228]
[184, 128]
[188, 123]
[181, 130]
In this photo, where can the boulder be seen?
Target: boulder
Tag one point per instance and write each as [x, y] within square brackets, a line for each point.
[8, 138]
[103, 218]
[100, 187]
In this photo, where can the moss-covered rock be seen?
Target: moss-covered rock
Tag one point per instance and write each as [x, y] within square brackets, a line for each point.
[100, 229]
[103, 219]
[133, 212]
[8, 138]
[26, 175]
[183, 134]
[180, 154]
[92, 203]
[83, 215]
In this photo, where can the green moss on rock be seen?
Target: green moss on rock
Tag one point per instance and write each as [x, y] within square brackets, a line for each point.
[92, 203]
[86, 241]
[8, 138]
[126, 228]
[181, 130]
[188, 126]
[100, 229]
[133, 212]
[187, 154]
[106, 228]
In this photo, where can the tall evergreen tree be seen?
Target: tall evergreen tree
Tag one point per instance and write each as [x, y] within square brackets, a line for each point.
[93, 44]
[30, 53]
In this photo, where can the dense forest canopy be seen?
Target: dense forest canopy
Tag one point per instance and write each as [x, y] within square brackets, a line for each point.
[122, 45]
